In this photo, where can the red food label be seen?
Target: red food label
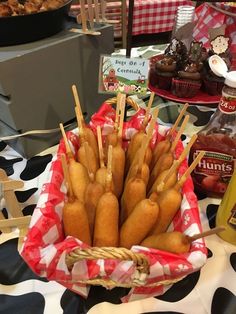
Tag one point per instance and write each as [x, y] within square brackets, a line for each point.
[214, 171]
[227, 105]
[214, 163]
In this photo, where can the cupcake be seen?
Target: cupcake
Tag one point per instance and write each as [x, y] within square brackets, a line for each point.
[165, 70]
[213, 84]
[188, 82]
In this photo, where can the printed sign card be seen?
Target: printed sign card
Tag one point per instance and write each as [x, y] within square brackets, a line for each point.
[120, 74]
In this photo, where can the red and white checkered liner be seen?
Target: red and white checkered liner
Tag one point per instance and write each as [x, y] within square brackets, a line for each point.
[45, 246]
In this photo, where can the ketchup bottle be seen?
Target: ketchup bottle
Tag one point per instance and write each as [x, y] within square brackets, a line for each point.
[218, 139]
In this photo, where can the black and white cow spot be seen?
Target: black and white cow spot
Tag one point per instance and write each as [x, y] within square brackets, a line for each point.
[233, 261]
[2, 145]
[5, 213]
[209, 253]
[223, 302]
[22, 304]
[35, 166]
[7, 164]
[28, 210]
[200, 196]
[72, 303]
[181, 288]
[211, 214]
[202, 117]
[17, 270]
[23, 196]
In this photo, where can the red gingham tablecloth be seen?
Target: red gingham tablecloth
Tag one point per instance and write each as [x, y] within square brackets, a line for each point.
[155, 16]
[208, 17]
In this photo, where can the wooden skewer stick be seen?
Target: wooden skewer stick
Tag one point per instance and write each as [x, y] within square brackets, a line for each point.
[184, 177]
[96, 11]
[122, 103]
[145, 120]
[90, 173]
[152, 123]
[83, 16]
[186, 150]
[68, 149]
[109, 169]
[100, 147]
[205, 233]
[103, 9]
[181, 129]
[67, 176]
[142, 153]
[181, 114]
[80, 123]
[177, 163]
[77, 102]
[91, 14]
[147, 138]
[117, 111]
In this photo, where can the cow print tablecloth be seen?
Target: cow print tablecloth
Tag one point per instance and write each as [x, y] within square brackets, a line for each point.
[210, 290]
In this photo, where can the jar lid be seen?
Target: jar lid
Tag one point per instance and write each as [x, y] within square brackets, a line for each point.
[218, 66]
[230, 79]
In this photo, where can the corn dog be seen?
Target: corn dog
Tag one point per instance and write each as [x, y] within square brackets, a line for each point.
[111, 138]
[166, 160]
[118, 154]
[93, 192]
[169, 200]
[139, 223]
[101, 173]
[137, 138]
[82, 156]
[134, 192]
[139, 166]
[164, 146]
[78, 173]
[168, 177]
[106, 230]
[74, 216]
[141, 161]
[75, 221]
[175, 241]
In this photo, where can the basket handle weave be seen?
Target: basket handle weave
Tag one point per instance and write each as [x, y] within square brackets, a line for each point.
[123, 254]
[129, 101]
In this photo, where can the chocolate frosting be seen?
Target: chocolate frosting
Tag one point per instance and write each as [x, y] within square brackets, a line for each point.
[190, 72]
[166, 64]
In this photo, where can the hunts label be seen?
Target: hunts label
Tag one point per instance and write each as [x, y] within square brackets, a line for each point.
[214, 163]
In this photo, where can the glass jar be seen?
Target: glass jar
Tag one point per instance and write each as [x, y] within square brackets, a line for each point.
[218, 139]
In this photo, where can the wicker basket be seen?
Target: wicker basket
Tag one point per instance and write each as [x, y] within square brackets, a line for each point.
[49, 254]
